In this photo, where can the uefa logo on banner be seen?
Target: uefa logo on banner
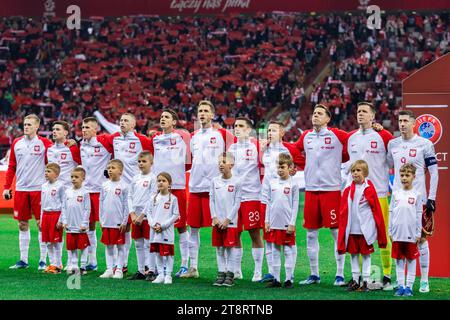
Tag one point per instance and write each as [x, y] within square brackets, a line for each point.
[429, 127]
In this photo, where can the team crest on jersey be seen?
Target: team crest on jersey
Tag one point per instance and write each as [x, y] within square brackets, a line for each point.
[287, 190]
[411, 200]
[212, 140]
[249, 152]
[96, 149]
[37, 148]
[63, 156]
[53, 193]
[328, 140]
[429, 127]
[412, 152]
[403, 160]
[173, 141]
[132, 145]
[145, 184]
[80, 198]
[373, 144]
[230, 188]
[167, 205]
[118, 191]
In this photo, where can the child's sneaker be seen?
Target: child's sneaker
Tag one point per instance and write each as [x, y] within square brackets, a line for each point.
[288, 284]
[229, 279]
[387, 284]
[352, 286]
[168, 279]
[159, 279]
[408, 292]
[220, 279]
[257, 277]
[363, 287]
[54, 270]
[274, 284]
[83, 271]
[400, 291]
[191, 273]
[150, 276]
[118, 274]
[137, 276]
[180, 272]
[238, 275]
[267, 278]
[107, 274]
[339, 281]
[312, 279]
[42, 266]
[424, 287]
[91, 267]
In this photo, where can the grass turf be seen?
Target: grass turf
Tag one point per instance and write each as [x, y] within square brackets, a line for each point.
[31, 284]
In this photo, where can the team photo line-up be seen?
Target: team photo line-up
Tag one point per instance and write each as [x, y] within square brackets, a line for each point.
[135, 186]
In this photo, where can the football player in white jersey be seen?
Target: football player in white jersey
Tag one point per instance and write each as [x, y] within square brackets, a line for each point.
[411, 148]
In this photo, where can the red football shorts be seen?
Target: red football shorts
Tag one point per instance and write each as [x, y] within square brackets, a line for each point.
[402, 250]
[163, 249]
[49, 231]
[250, 215]
[281, 238]
[25, 203]
[181, 197]
[357, 244]
[142, 231]
[95, 207]
[225, 238]
[112, 236]
[198, 214]
[321, 209]
[76, 241]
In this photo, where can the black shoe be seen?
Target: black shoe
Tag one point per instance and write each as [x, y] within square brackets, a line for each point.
[221, 276]
[352, 286]
[229, 279]
[124, 269]
[288, 284]
[386, 282]
[274, 284]
[150, 276]
[83, 271]
[146, 270]
[363, 287]
[137, 276]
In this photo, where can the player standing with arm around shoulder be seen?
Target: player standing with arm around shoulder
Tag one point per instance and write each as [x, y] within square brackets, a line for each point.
[52, 197]
[410, 148]
[163, 212]
[280, 220]
[27, 163]
[405, 228]
[224, 201]
[325, 149]
[361, 224]
[113, 219]
[74, 219]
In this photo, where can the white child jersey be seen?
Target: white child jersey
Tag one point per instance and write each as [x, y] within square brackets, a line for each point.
[225, 199]
[141, 188]
[76, 209]
[95, 155]
[405, 212]
[419, 152]
[52, 196]
[371, 146]
[324, 152]
[27, 162]
[67, 159]
[247, 168]
[282, 207]
[206, 147]
[169, 155]
[163, 210]
[126, 148]
[114, 204]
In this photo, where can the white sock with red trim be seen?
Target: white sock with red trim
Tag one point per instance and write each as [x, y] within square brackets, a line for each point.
[24, 244]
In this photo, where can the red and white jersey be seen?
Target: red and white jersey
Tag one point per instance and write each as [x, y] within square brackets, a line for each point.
[225, 199]
[163, 210]
[282, 203]
[141, 188]
[324, 152]
[405, 215]
[419, 152]
[206, 147]
[76, 209]
[95, 155]
[126, 148]
[247, 167]
[52, 196]
[27, 163]
[270, 162]
[113, 204]
[67, 159]
[371, 146]
[169, 155]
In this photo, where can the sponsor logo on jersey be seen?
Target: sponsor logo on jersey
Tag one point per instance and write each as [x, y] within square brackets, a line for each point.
[249, 152]
[96, 149]
[145, 184]
[212, 140]
[429, 127]
[287, 190]
[53, 193]
[411, 200]
[328, 140]
[118, 191]
[373, 144]
[167, 205]
[412, 152]
[63, 156]
[37, 148]
[173, 141]
[230, 188]
[132, 145]
[80, 198]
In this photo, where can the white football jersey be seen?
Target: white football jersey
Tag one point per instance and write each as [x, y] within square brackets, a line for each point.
[225, 199]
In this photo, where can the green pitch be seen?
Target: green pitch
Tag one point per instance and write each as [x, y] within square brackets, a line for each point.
[31, 284]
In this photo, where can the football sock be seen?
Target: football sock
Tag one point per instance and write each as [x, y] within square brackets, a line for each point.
[24, 244]
[147, 252]
[340, 258]
[411, 276]
[194, 245]
[74, 260]
[400, 270]
[92, 249]
[356, 272]
[159, 263]
[58, 254]
[239, 253]
[42, 248]
[51, 253]
[184, 248]
[366, 262]
[109, 256]
[169, 265]
[312, 249]
[424, 260]
[140, 254]
[269, 248]
[276, 261]
[290, 256]
[126, 247]
[121, 253]
[152, 262]
[84, 258]
[221, 263]
[258, 254]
